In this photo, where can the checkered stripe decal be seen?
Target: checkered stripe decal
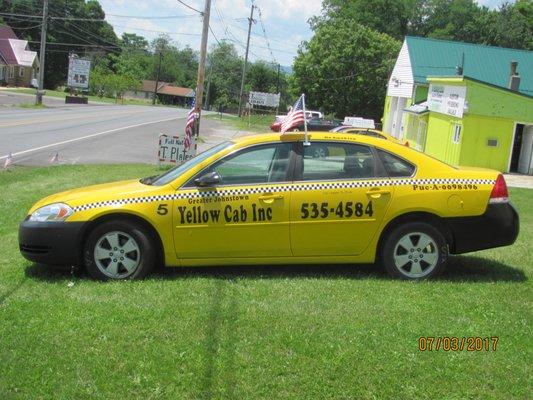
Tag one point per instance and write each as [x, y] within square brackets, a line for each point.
[282, 188]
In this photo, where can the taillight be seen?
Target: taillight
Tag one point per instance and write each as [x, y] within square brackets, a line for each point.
[499, 192]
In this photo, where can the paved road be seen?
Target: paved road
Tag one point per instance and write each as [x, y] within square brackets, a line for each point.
[89, 134]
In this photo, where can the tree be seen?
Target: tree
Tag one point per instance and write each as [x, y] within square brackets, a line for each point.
[344, 69]
[462, 20]
[225, 76]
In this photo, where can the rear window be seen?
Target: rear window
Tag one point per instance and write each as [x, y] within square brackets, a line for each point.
[396, 166]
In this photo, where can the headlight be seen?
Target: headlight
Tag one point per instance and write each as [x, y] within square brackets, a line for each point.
[52, 212]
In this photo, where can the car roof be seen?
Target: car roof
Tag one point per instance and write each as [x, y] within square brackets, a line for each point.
[393, 147]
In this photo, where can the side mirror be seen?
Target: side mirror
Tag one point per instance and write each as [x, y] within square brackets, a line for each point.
[208, 179]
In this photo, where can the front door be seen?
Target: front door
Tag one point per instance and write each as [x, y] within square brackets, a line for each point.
[246, 214]
[337, 203]
[526, 151]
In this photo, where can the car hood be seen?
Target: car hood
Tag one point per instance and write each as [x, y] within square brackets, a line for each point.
[106, 191]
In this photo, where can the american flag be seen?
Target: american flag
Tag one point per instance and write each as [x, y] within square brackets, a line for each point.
[295, 116]
[189, 126]
[8, 161]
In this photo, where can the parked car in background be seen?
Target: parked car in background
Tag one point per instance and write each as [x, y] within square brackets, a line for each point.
[369, 132]
[313, 124]
[309, 114]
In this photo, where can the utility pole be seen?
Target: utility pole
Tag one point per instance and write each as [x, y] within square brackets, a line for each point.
[157, 78]
[250, 21]
[39, 97]
[277, 84]
[201, 67]
[208, 85]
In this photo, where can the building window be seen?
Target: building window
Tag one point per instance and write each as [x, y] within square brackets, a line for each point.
[21, 72]
[456, 133]
[492, 142]
[11, 72]
[2, 72]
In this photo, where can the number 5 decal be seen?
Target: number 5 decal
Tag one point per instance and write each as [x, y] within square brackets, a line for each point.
[162, 209]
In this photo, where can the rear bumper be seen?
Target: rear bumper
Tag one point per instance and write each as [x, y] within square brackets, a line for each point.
[498, 226]
[54, 243]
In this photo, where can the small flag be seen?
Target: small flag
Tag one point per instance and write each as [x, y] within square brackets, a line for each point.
[8, 161]
[295, 116]
[54, 159]
[189, 126]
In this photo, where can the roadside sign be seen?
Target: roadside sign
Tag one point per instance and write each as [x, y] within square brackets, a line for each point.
[264, 99]
[172, 149]
[78, 72]
[447, 99]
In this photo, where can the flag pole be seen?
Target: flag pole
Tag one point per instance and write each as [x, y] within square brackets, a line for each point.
[306, 141]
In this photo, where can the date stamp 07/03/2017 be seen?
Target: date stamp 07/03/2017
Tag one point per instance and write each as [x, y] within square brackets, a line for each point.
[455, 343]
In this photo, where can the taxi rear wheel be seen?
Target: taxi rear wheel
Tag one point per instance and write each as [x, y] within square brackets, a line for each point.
[414, 251]
[117, 250]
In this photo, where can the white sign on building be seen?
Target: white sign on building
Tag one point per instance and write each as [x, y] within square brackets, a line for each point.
[264, 99]
[447, 99]
[172, 149]
[78, 72]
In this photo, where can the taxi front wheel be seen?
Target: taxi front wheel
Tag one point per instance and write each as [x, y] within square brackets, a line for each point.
[118, 250]
[414, 251]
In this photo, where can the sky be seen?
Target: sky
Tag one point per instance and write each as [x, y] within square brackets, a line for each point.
[279, 24]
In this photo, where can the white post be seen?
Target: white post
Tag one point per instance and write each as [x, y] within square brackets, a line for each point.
[306, 141]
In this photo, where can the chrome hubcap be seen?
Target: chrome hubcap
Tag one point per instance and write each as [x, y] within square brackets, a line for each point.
[416, 255]
[117, 255]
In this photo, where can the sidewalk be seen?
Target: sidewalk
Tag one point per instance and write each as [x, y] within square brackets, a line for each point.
[519, 180]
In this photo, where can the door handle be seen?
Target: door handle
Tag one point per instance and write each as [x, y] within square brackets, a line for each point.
[270, 197]
[377, 192]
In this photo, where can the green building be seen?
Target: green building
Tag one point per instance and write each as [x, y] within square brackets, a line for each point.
[463, 103]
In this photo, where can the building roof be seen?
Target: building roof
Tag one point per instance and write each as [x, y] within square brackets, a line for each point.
[177, 91]
[14, 51]
[6, 51]
[148, 86]
[166, 88]
[433, 57]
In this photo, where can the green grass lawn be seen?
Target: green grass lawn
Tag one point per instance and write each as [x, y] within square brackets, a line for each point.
[253, 123]
[60, 94]
[299, 332]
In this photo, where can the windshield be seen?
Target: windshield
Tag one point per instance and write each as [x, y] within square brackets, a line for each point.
[175, 172]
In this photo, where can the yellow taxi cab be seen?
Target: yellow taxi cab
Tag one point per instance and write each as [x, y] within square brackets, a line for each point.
[269, 199]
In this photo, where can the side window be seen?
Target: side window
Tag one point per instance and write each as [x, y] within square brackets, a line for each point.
[332, 161]
[395, 166]
[258, 164]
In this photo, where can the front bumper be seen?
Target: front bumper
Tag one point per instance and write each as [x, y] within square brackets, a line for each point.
[497, 227]
[53, 243]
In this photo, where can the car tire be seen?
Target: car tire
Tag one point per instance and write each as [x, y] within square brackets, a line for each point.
[414, 251]
[118, 250]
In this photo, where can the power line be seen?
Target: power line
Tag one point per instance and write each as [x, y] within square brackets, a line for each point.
[100, 19]
[21, 15]
[213, 33]
[192, 8]
[265, 34]
[155, 31]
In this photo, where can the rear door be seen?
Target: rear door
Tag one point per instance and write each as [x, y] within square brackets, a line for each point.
[339, 198]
